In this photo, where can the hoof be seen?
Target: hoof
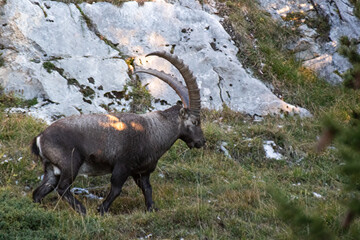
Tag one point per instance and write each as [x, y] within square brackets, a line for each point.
[152, 209]
[101, 210]
[81, 210]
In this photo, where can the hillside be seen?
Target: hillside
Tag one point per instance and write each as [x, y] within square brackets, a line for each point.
[259, 177]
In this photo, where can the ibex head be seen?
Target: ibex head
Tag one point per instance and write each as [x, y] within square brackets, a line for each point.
[191, 132]
[189, 115]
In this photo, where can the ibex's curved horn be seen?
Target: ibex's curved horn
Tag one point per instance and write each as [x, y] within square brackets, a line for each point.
[190, 80]
[172, 81]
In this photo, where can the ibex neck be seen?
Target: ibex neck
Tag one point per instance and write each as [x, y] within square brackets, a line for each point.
[164, 128]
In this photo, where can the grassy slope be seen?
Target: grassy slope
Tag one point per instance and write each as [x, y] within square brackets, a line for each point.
[201, 193]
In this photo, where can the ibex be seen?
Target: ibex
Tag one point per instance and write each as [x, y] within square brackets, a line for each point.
[123, 144]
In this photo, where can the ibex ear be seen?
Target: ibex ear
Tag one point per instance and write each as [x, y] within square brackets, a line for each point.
[183, 113]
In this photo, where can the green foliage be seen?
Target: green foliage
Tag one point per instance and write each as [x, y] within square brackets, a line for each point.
[141, 97]
[11, 100]
[2, 61]
[87, 92]
[320, 23]
[349, 140]
[49, 66]
[356, 4]
[348, 49]
[73, 81]
[22, 219]
[8, 100]
[295, 17]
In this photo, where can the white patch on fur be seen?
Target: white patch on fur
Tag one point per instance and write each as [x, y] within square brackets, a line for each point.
[56, 170]
[39, 146]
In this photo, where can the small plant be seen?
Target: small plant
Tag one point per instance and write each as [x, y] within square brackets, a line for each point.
[2, 61]
[141, 97]
[348, 49]
[295, 17]
[73, 81]
[87, 91]
[8, 100]
[322, 26]
[49, 66]
[130, 62]
[30, 102]
[319, 22]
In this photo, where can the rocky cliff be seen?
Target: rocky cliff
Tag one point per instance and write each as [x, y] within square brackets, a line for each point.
[72, 58]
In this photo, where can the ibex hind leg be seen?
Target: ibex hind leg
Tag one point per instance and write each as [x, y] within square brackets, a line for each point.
[68, 174]
[48, 184]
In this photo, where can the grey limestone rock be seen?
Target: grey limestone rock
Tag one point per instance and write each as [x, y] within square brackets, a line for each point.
[320, 56]
[87, 45]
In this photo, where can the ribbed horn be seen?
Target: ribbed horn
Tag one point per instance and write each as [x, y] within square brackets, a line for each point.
[172, 81]
[190, 80]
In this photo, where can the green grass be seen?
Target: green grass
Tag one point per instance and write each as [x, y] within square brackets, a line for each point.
[11, 100]
[201, 193]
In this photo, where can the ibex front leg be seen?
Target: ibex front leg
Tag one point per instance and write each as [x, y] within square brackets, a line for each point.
[143, 181]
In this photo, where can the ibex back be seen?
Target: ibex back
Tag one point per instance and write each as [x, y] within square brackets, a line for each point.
[123, 144]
